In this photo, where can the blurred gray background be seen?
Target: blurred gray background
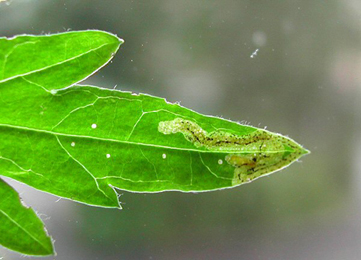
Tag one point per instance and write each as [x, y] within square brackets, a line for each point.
[305, 82]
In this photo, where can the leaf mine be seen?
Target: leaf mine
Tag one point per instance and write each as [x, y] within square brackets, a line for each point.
[252, 155]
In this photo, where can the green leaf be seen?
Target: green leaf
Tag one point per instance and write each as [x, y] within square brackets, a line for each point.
[21, 229]
[80, 142]
[55, 61]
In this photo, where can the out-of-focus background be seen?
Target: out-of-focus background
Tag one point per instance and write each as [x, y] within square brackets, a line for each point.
[304, 80]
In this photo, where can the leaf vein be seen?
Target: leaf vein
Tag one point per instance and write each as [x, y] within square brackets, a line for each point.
[22, 228]
[53, 65]
[83, 166]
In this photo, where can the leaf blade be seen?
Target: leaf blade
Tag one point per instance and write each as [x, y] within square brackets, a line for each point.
[21, 230]
[67, 57]
[80, 142]
[134, 144]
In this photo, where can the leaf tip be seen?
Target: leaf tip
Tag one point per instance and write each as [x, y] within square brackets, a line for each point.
[305, 151]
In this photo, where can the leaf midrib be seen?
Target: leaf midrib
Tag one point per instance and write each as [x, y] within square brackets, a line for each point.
[129, 142]
[55, 64]
[22, 228]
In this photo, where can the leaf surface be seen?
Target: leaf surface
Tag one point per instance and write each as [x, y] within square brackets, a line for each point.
[55, 61]
[80, 142]
[21, 229]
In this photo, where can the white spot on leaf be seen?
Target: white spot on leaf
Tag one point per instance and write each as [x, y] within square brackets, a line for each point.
[220, 161]
[164, 156]
[108, 155]
[72, 144]
[94, 126]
